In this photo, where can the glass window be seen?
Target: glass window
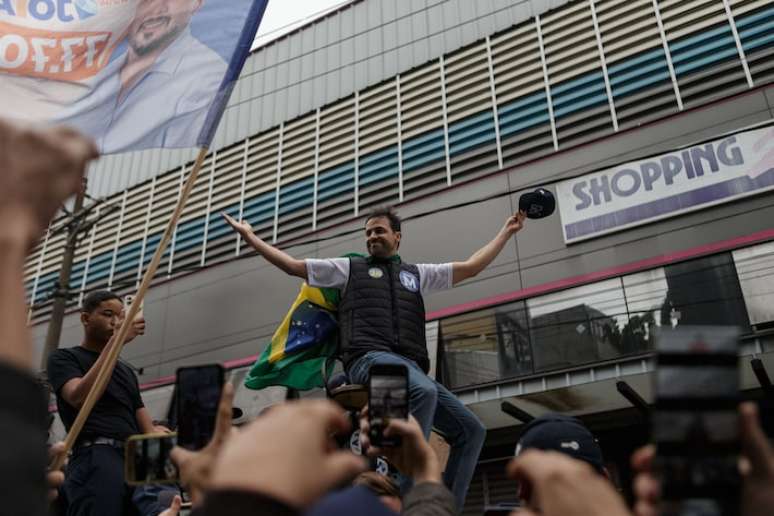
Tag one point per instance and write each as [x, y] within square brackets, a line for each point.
[704, 291]
[578, 325]
[485, 346]
[607, 319]
[755, 266]
[645, 296]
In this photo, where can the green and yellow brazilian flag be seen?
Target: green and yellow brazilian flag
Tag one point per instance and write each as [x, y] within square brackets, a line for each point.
[307, 336]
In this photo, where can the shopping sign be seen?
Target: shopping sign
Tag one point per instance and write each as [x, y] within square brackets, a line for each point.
[668, 185]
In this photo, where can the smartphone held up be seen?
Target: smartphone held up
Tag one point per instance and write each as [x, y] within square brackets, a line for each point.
[147, 459]
[197, 395]
[696, 420]
[387, 399]
[193, 411]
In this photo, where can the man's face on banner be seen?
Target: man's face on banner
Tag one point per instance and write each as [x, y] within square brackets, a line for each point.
[157, 22]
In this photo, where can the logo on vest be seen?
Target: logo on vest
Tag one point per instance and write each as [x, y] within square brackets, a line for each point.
[375, 272]
[409, 281]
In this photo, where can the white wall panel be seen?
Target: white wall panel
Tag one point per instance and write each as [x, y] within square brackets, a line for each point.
[363, 44]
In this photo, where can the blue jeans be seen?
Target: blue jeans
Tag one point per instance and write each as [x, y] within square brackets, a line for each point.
[435, 407]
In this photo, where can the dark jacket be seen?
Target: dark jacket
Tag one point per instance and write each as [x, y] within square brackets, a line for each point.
[23, 432]
[382, 310]
[425, 499]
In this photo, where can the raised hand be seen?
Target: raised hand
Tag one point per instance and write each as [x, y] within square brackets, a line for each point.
[196, 466]
[758, 469]
[135, 330]
[414, 457]
[39, 169]
[557, 485]
[514, 223]
[174, 508]
[289, 454]
[243, 228]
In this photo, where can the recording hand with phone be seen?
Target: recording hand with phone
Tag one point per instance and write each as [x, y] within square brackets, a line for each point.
[288, 454]
[196, 466]
[695, 424]
[413, 457]
[203, 417]
[757, 469]
[387, 429]
[147, 459]
[387, 400]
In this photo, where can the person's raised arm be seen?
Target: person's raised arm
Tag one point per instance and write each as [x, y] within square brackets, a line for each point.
[479, 260]
[39, 169]
[279, 259]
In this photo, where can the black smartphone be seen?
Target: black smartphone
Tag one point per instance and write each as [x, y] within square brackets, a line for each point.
[147, 459]
[387, 399]
[695, 424]
[198, 390]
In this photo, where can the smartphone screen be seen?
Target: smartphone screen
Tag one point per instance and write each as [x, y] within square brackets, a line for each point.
[387, 399]
[695, 424]
[147, 459]
[198, 391]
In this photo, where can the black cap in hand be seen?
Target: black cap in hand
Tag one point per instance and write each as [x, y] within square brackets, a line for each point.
[538, 204]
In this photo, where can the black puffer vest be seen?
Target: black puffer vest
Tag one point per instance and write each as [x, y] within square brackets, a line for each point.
[382, 310]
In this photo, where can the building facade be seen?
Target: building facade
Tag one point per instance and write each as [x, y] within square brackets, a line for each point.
[451, 110]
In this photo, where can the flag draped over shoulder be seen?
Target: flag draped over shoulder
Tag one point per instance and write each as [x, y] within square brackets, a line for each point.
[301, 344]
[133, 74]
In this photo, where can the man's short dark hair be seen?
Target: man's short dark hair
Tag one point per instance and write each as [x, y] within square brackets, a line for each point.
[93, 299]
[389, 213]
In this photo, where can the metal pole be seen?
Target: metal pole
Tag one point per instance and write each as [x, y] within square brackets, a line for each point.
[61, 288]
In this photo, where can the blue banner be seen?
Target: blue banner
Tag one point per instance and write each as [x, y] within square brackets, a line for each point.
[133, 74]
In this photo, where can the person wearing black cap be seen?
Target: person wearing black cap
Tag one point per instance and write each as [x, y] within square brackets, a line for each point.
[382, 321]
[563, 434]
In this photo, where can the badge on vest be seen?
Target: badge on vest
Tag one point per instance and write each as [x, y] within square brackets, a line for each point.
[409, 281]
[375, 272]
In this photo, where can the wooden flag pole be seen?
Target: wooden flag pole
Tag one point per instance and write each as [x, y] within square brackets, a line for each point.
[107, 368]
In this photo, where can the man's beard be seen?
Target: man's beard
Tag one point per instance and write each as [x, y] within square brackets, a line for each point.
[153, 45]
[378, 251]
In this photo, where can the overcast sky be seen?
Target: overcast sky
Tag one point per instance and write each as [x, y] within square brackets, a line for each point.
[282, 16]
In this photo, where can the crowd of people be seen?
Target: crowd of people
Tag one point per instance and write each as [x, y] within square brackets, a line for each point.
[286, 461]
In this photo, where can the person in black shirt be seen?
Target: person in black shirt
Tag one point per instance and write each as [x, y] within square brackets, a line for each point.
[94, 484]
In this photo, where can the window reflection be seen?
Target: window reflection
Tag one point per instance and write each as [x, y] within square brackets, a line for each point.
[755, 266]
[470, 348]
[704, 291]
[577, 325]
[645, 293]
[601, 321]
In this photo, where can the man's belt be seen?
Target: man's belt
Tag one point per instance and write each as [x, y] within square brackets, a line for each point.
[103, 441]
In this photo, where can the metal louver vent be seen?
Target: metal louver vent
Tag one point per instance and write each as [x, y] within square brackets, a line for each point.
[699, 34]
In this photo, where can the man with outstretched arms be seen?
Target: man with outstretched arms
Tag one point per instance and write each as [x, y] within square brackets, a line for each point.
[382, 321]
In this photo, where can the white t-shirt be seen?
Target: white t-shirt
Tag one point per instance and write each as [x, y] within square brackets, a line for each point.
[334, 273]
